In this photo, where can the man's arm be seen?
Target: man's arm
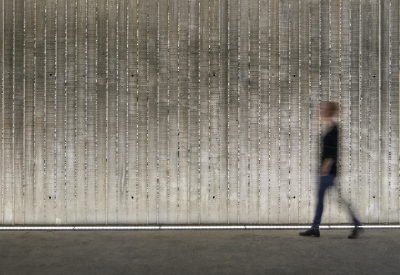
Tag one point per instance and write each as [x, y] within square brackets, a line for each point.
[326, 166]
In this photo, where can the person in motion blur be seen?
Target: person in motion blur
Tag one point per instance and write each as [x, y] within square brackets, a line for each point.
[328, 112]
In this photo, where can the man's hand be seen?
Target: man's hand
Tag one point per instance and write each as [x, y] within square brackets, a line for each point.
[326, 166]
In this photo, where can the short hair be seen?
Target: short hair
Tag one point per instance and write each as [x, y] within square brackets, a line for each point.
[332, 107]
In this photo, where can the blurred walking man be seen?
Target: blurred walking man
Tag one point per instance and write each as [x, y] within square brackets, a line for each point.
[328, 111]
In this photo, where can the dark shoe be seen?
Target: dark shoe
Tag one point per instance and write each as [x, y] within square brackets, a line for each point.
[313, 231]
[356, 232]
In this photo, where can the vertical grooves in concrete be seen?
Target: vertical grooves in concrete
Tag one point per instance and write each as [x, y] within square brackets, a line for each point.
[8, 60]
[394, 216]
[101, 152]
[91, 112]
[184, 171]
[193, 210]
[204, 109]
[18, 113]
[142, 114]
[253, 111]
[23, 161]
[223, 110]
[384, 159]
[2, 111]
[81, 113]
[50, 97]
[232, 116]
[132, 125]
[112, 109]
[345, 102]
[294, 118]
[173, 110]
[38, 125]
[264, 141]
[374, 125]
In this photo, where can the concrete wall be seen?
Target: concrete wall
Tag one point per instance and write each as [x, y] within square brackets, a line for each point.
[195, 111]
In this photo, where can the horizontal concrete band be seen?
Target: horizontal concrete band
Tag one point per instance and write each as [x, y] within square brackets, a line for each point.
[186, 227]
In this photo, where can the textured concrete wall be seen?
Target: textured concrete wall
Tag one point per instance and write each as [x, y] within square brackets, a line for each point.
[195, 111]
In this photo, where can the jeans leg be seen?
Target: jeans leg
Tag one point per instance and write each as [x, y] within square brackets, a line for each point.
[324, 183]
[353, 217]
[356, 222]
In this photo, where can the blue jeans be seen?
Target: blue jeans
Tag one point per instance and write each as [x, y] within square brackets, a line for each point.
[324, 183]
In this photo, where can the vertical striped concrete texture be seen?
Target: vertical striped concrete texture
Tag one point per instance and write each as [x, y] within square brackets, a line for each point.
[195, 111]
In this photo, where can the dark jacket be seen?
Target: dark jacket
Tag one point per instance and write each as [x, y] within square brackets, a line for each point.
[330, 148]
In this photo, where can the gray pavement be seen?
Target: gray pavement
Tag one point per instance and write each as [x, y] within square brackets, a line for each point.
[377, 251]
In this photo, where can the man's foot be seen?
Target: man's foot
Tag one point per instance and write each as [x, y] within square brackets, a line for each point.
[356, 232]
[313, 231]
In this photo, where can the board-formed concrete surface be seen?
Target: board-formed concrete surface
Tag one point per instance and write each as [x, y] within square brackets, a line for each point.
[198, 252]
[116, 112]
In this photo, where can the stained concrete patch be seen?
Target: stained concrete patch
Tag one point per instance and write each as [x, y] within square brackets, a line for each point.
[198, 252]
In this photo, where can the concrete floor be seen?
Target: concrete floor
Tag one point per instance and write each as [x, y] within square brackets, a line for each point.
[199, 252]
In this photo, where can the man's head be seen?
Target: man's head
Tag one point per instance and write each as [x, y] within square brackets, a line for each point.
[328, 110]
